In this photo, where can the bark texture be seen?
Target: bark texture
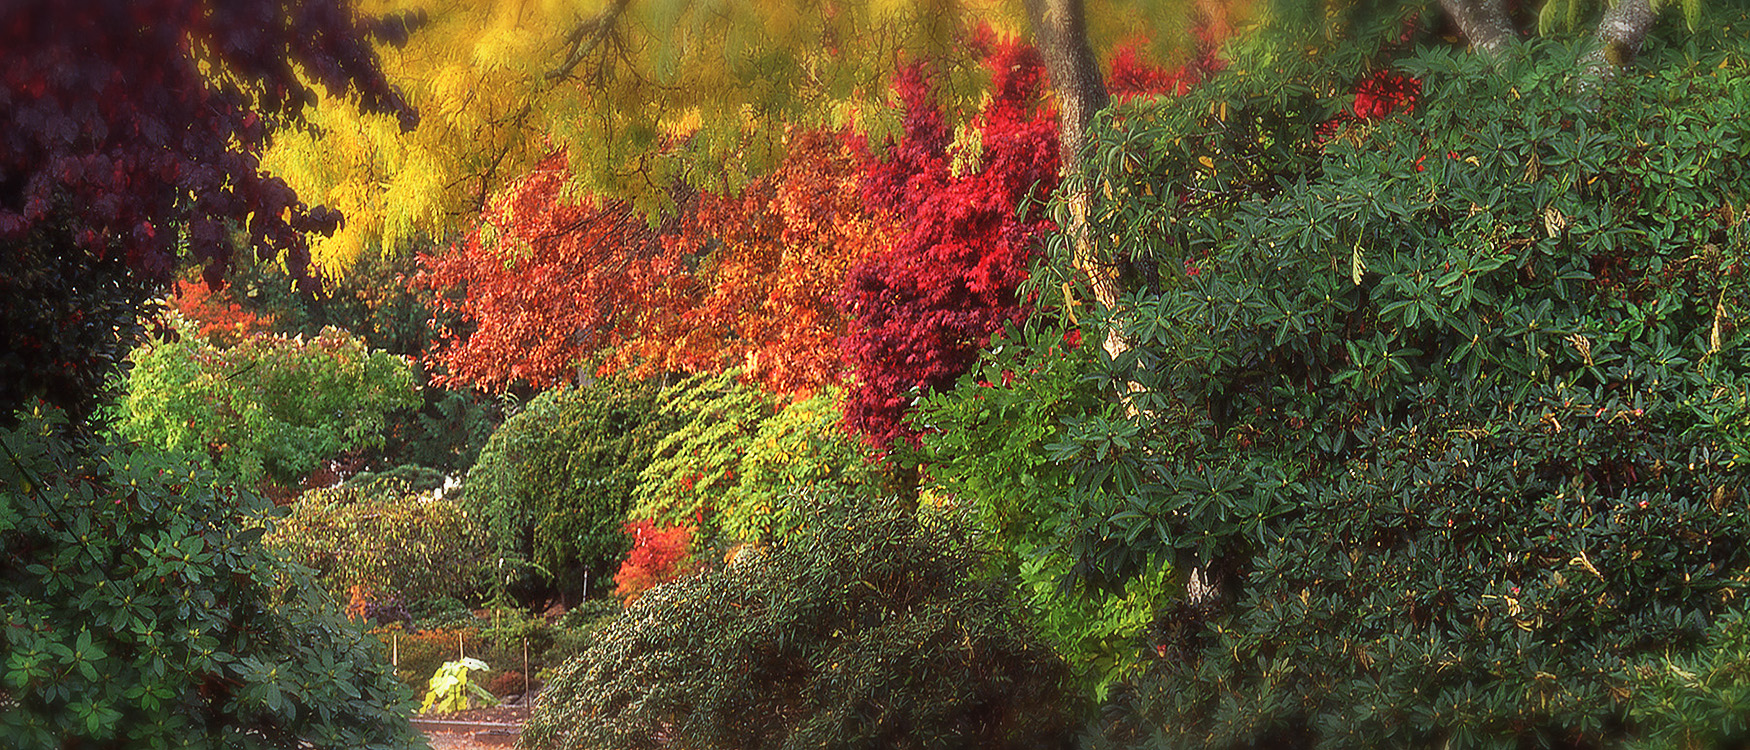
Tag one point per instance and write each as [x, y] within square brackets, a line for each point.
[1060, 31]
[1620, 34]
[1485, 23]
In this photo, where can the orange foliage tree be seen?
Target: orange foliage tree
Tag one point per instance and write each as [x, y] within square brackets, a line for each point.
[771, 262]
[553, 279]
[659, 555]
[549, 278]
[217, 316]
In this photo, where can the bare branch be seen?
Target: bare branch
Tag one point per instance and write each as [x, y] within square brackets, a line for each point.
[587, 36]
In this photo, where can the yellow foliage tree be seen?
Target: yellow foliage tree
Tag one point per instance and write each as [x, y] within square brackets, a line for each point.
[641, 94]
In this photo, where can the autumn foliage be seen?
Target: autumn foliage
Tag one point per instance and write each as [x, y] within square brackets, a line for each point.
[550, 277]
[770, 262]
[216, 316]
[659, 555]
[922, 308]
[555, 278]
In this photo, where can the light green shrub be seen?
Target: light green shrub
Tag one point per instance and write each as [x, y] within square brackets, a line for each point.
[391, 540]
[271, 406]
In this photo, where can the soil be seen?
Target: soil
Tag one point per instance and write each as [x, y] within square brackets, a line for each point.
[474, 729]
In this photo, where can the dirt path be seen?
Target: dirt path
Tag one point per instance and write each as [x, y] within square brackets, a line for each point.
[475, 729]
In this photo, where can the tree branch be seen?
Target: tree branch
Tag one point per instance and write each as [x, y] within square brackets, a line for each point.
[587, 36]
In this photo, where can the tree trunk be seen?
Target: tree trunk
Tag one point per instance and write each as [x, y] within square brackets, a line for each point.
[1060, 31]
[1620, 33]
[1485, 23]
[1489, 29]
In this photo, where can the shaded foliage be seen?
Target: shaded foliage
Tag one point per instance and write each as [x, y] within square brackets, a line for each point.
[1450, 405]
[132, 134]
[68, 319]
[141, 610]
[867, 628]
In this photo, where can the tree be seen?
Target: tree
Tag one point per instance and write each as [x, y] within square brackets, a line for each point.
[133, 130]
[766, 266]
[548, 279]
[214, 315]
[388, 539]
[922, 308]
[556, 481]
[556, 278]
[613, 84]
[694, 466]
[1620, 31]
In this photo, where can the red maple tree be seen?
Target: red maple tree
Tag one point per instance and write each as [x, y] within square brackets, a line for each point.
[921, 309]
[659, 555]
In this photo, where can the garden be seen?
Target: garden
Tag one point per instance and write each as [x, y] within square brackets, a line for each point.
[1063, 373]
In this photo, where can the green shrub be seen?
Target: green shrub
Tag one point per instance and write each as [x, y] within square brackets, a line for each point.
[1452, 414]
[800, 453]
[555, 482]
[411, 477]
[390, 539]
[272, 406]
[693, 466]
[1700, 699]
[983, 444]
[141, 610]
[447, 434]
[864, 628]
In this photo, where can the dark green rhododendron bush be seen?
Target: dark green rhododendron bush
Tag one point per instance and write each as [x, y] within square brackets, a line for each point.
[1450, 403]
[141, 610]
